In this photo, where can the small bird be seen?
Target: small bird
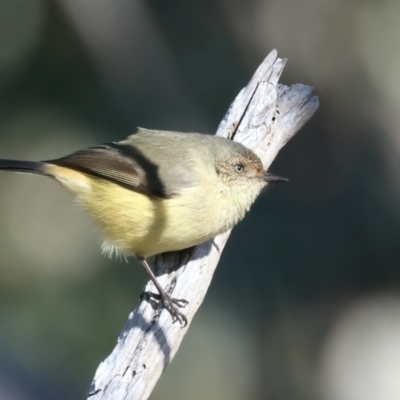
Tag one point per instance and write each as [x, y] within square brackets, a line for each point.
[159, 191]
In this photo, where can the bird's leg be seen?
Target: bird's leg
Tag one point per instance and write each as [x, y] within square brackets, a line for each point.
[169, 303]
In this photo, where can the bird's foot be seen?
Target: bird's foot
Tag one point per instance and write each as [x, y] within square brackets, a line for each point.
[170, 304]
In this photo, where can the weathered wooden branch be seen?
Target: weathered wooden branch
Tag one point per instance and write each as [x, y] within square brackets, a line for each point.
[264, 116]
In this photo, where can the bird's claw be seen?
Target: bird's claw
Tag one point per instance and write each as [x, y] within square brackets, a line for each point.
[170, 304]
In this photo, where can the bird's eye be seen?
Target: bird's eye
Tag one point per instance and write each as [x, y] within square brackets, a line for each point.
[239, 168]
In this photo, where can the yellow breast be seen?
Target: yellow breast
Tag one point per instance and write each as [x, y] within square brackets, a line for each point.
[134, 223]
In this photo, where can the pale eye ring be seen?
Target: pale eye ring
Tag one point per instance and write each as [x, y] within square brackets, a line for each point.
[239, 168]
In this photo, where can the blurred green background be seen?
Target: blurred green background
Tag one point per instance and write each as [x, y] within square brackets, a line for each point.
[305, 303]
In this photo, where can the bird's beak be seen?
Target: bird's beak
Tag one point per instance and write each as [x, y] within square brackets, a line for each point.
[266, 177]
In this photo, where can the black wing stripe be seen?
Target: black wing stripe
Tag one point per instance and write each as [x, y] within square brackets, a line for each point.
[120, 164]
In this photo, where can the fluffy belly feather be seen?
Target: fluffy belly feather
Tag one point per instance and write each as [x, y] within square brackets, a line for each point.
[134, 224]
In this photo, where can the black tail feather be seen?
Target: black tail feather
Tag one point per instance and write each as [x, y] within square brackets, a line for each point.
[27, 167]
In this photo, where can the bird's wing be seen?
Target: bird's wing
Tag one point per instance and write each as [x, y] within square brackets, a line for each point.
[122, 164]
